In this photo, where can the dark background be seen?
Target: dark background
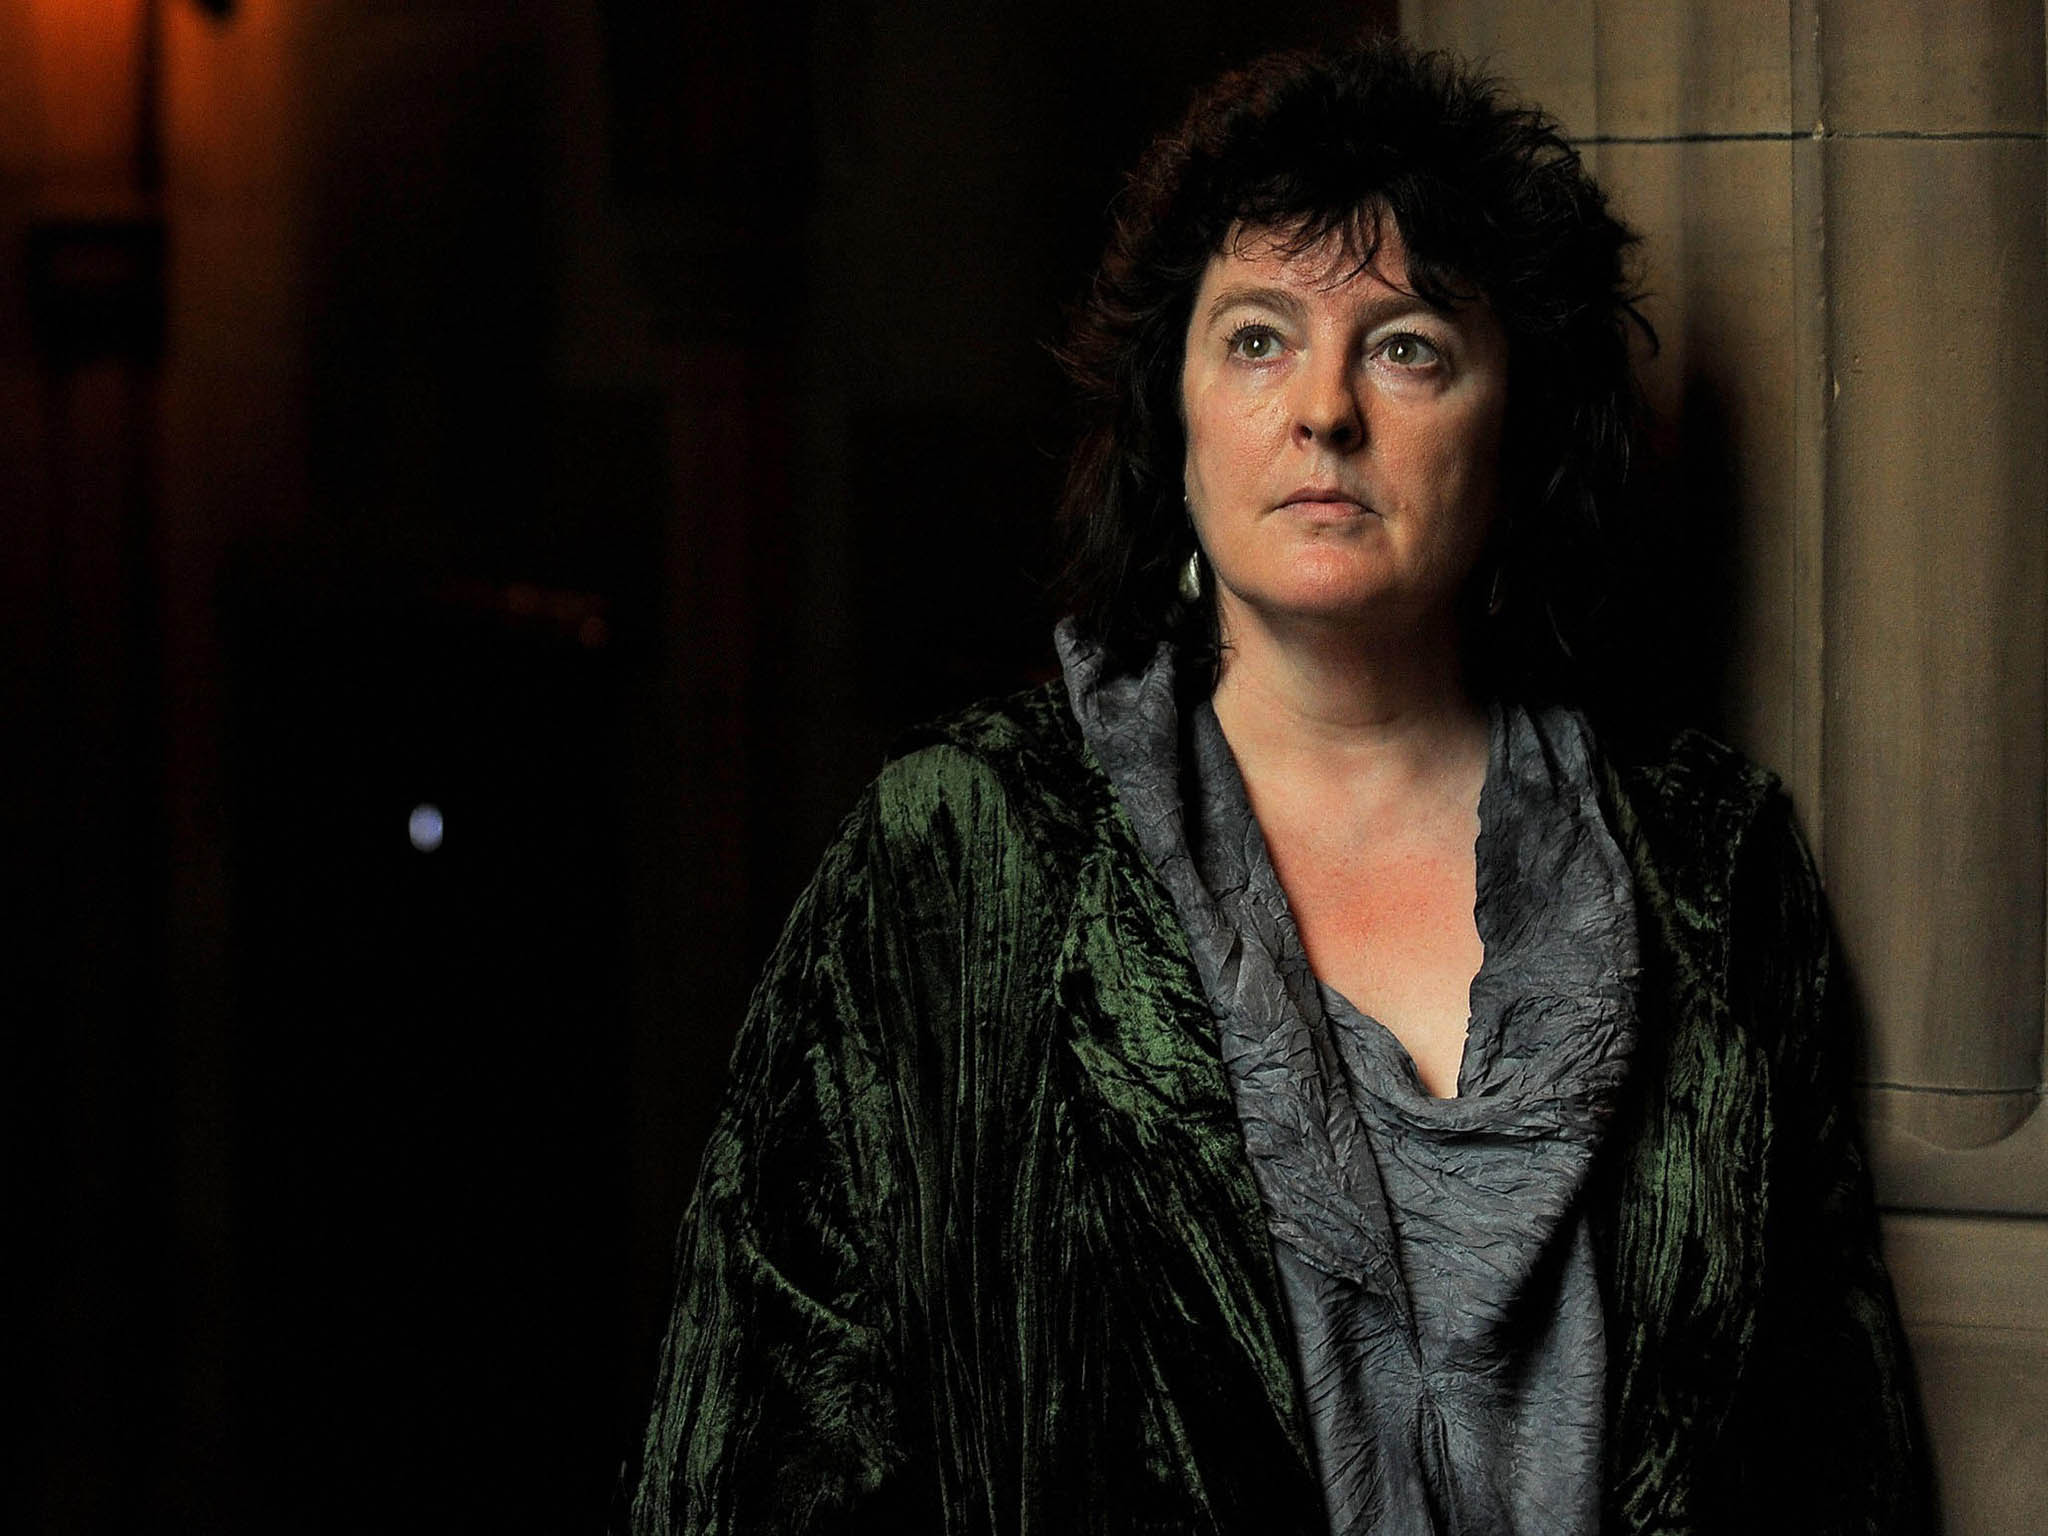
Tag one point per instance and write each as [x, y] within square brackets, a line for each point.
[606, 421]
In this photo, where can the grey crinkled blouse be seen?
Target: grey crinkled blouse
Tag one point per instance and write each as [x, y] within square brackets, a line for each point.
[1434, 1254]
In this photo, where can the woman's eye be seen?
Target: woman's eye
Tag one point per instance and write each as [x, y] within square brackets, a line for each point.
[1409, 351]
[1256, 343]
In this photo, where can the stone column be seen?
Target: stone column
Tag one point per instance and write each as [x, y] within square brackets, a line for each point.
[1844, 208]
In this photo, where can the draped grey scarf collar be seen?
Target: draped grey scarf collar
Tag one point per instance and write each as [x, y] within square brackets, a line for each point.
[1434, 1254]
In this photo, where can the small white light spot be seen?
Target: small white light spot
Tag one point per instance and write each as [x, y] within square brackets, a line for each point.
[423, 826]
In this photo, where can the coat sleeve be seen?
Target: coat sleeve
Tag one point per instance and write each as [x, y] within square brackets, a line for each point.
[1835, 1441]
[781, 1402]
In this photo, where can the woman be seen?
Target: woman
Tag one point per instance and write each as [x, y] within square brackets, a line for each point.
[1299, 1073]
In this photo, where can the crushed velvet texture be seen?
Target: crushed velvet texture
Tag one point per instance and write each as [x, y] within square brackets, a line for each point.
[977, 1247]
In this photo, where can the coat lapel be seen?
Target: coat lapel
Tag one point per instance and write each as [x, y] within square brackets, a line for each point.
[1680, 1221]
[1156, 1122]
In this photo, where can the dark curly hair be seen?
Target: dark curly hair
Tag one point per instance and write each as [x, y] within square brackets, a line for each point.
[1491, 203]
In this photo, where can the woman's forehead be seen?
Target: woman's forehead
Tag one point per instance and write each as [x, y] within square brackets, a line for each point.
[1311, 260]
[1368, 244]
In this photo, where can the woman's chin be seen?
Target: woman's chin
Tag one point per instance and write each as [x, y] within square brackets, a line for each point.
[1364, 605]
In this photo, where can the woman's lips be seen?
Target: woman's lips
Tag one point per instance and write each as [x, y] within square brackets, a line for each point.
[1323, 501]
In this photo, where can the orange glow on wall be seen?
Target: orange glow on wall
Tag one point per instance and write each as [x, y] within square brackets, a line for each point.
[79, 64]
[233, 100]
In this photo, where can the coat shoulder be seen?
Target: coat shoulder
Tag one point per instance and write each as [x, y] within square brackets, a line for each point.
[1687, 783]
[1023, 750]
[1686, 807]
[1008, 732]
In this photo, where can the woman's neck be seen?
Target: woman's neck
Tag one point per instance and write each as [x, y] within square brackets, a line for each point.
[1348, 709]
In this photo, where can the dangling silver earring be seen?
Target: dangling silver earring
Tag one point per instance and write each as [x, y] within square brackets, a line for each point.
[1496, 592]
[1191, 578]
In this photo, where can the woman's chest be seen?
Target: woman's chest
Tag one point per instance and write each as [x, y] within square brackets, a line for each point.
[1391, 927]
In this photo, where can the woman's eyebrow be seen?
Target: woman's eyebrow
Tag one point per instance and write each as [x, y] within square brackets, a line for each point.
[1377, 310]
[1278, 299]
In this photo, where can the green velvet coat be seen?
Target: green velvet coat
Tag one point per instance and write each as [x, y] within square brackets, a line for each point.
[976, 1245]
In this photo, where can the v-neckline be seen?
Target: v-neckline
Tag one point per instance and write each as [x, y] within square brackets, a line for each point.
[1387, 1046]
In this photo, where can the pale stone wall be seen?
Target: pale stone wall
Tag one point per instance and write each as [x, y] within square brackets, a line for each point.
[1844, 203]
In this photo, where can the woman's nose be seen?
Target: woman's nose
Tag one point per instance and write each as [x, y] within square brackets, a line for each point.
[1326, 407]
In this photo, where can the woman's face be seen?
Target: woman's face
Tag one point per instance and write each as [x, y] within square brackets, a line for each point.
[1343, 436]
